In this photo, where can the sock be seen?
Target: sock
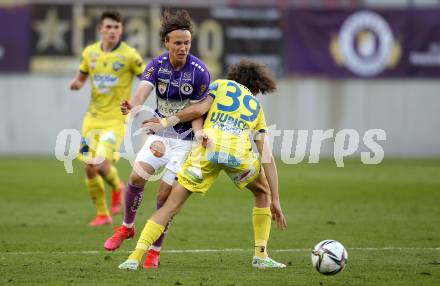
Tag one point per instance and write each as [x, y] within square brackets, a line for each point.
[150, 233]
[156, 246]
[261, 219]
[112, 178]
[133, 199]
[96, 189]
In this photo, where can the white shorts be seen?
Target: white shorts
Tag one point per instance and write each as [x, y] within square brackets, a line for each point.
[176, 151]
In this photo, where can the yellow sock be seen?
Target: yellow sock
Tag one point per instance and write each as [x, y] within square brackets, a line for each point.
[137, 254]
[96, 189]
[261, 219]
[150, 234]
[112, 178]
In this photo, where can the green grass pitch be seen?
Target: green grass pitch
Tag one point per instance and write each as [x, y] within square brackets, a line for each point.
[387, 216]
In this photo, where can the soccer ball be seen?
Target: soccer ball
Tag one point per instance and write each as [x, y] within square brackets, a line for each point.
[329, 257]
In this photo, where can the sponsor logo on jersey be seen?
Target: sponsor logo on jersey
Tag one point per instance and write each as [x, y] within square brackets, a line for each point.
[162, 85]
[164, 71]
[186, 89]
[148, 73]
[103, 82]
[170, 107]
[187, 76]
[93, 63]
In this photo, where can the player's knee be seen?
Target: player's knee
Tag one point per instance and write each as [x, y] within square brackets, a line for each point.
[162, 195]
[91, 170]
[136, 180]
[141, 172]
[262, 191]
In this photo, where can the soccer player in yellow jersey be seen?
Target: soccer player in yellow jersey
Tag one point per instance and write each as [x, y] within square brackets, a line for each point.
[111, 65]
[234, 114]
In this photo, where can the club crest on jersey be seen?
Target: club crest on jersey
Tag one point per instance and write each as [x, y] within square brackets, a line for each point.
[117, 66]
[186, 89]
[162, 86]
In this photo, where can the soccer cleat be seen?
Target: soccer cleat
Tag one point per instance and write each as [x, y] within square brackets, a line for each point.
[267, 262]
[117, 199]
[129, 264]
[101, 220]
[152, 259]
[122, 233]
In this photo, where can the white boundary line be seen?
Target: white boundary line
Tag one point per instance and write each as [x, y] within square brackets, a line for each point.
[220, 250]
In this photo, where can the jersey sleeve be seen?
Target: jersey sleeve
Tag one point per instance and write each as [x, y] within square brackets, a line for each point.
[260, 125]
[84, 64]
[150, 73]
[213, 88]
[201, 86]
[137, 64]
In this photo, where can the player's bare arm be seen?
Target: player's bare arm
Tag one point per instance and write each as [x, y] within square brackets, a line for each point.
[78, 81]
[139, 97]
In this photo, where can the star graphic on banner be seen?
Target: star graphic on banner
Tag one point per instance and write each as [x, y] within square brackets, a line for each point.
[50, 31]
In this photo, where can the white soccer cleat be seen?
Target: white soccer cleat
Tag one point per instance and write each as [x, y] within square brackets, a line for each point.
[129, 264]
[267, 262]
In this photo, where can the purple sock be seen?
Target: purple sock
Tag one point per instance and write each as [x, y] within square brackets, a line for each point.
[159, 241]
[133, 199]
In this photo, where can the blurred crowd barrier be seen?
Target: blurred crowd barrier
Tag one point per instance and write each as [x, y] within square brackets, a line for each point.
[36, 108]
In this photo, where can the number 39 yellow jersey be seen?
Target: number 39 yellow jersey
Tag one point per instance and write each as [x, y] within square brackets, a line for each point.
[235, 114]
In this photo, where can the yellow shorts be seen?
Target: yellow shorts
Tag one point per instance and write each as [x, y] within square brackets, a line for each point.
[203, 166]
[101, 138]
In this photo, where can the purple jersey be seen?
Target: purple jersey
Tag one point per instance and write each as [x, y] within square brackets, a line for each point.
[175, 89]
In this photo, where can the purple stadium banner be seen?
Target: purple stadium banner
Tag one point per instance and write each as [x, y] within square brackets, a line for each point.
[363, 43]
[14, 38]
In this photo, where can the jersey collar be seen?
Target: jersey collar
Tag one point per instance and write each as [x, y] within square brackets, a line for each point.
[114, 48]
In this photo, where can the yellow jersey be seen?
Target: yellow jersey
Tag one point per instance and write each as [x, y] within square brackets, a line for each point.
[111, 76]
[234, 117]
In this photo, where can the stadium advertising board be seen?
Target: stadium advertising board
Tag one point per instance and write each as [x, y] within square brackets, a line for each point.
[222, 34]
[363, 43]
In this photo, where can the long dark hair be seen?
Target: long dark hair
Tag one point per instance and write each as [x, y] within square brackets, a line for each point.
[177, 21]
[253, 75]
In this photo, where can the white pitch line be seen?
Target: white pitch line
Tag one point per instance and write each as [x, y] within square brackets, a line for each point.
[220, 250]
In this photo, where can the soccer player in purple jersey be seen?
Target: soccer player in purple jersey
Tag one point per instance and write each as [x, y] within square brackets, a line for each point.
[179, 79]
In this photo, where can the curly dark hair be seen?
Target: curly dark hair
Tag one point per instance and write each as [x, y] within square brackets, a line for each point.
[177, 21]
[253, 75]
[112, 14]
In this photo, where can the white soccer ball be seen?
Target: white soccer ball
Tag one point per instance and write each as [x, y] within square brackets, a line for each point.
[329, 257]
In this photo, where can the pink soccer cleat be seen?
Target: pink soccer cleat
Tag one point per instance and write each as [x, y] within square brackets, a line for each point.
[117, 198]
[152, 259]
[101, 220]
[122, 233]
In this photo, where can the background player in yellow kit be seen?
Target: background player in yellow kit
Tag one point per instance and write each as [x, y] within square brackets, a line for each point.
[234, 114]
[111, 65]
